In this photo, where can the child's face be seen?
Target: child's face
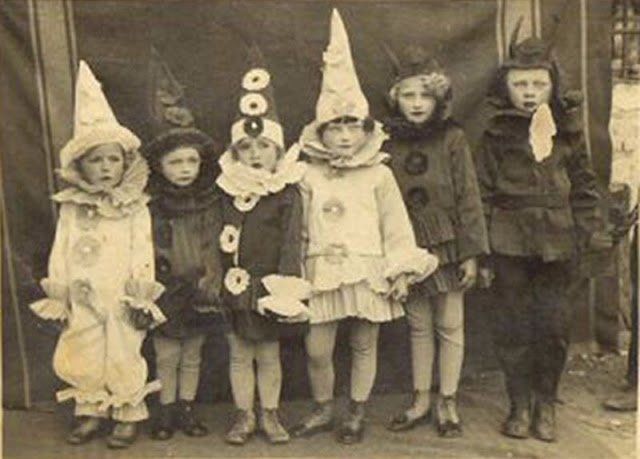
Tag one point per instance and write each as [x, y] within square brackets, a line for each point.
[529, 88]
[103, 165]
[259, 153]
[414, 102]
[344, 139]
[181, 166]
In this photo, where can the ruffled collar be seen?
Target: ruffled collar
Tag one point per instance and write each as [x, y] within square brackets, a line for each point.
[248, 185]
[117, 202]
[368, 155]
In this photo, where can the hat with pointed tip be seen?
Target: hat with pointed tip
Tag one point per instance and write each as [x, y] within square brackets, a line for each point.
[94, 121]
[340, 93]
[257, 115]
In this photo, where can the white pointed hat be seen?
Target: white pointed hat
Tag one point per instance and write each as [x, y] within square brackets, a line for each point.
[94, 121]
[340, 94]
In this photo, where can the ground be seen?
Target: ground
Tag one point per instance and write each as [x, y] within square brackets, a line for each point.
[585, 429]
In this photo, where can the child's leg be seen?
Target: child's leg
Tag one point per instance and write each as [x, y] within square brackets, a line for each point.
[167, 363]
[420, 318]
[363, 340]
[449, 321]
[241, 372]
[512, 327]
[126, 370]
[320, 343]
[190, 366]
[269, 373]
[551, 331]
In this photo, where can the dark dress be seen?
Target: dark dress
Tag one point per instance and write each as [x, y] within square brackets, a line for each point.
[186, 228]
[537, 214]
[270, 243]
[435, 171]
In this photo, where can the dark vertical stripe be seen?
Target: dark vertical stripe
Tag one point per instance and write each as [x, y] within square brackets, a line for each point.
[15, 303]
[71, 39]
[534, 19]
[47, 136]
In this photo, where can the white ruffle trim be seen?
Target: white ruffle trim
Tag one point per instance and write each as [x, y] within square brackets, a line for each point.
[54, 307]
[328, 273]
[105, 399]
[243, 181]
[285, 297]
[417, 263]
[142, 295]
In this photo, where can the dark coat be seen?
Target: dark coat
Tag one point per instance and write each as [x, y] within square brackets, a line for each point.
[532, 208]
[270, 243]
[186, 230]
[436, 175]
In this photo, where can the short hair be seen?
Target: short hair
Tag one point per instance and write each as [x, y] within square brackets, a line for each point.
[368, 124]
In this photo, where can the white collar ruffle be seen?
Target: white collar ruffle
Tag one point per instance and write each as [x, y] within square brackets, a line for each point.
[368, 155]
[244, 182]
[117, 202]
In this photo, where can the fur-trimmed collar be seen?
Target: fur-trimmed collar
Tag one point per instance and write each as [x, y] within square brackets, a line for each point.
[117, 202]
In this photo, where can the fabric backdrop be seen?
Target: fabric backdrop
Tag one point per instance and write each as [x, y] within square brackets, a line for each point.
[204, 43]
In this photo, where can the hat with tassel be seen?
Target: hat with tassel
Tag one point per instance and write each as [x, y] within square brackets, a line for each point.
[340, 93]
[257, 115]
[172, 122]
[94, 121]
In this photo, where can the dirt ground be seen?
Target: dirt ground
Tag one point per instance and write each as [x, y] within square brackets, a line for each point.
[585, 429]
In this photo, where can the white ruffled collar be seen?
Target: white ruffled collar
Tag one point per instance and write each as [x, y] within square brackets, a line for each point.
[248, 185]
[368, 155]
[116, 202]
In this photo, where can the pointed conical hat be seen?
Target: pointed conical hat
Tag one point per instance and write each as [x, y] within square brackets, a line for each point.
[94, 121]
[257, 114]
[340, 94]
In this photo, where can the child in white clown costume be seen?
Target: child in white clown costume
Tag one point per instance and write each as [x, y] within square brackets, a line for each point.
[261, 245]
[361, 253]
[100, 283]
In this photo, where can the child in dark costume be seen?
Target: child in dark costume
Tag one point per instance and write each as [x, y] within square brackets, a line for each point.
[186, 217]
[541, 206]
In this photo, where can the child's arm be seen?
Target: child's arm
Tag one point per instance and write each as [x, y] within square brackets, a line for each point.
[486, 169]
[56, 285]
[287, 290]
[584, 197]
[211, 283]
[142, 290]
[403, 256]
[471, 229]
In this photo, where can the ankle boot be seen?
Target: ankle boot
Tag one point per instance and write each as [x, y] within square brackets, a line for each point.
[320, 420]
[352, 429]
[86, 429]
[447, 418]
[518, 422]
[544, 421]
[406, 420]
[243, 428]
[123, 435]
[270, 425]
[188, 422]
[163, 426]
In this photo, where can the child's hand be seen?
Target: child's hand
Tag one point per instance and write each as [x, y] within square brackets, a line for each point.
[140, 319]
[399, 288]
[468, 271]
[600, 240]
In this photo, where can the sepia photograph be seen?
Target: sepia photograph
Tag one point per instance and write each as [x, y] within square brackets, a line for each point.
[319, 228]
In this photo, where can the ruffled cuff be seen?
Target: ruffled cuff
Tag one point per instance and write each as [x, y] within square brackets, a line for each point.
[286, 294]
[418, 264]
[105, 399]
[54, 307]
[141, 295]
